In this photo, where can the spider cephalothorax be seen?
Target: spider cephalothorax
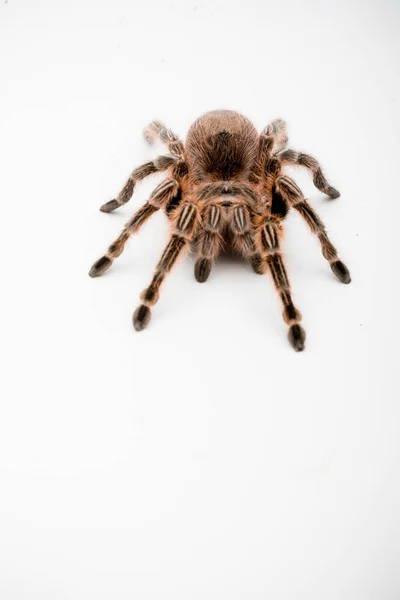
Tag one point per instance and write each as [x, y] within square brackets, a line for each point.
[225, 185]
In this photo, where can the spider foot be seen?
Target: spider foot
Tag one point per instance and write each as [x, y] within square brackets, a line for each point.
[109, 206]
[141, 317]
[297, 337]
[202, 269]
[100, 266]
[332, 192]
[257, 264]
[341, 271]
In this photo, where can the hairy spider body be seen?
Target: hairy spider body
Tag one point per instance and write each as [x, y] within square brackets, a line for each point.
[225, 187]
[221, 145]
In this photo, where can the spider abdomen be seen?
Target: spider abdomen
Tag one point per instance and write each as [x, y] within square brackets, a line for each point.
[222, 145]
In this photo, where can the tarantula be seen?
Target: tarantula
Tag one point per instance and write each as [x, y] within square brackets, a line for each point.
[225, 187]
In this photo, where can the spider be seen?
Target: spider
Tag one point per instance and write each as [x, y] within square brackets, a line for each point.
[225, 187]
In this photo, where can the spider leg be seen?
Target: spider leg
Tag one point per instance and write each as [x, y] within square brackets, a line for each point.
[243, 230]
[268, 172]
[244, 239]
[209, 241]
[265, 146]
[258, 264]
[293, 195]
[186, 221]
[161, 196]
[278, 130]
[162, 163]
[156, 129]
[271, 140]
[267, 243]
[292, 157]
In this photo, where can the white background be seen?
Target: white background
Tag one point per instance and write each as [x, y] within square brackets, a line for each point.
[202, 458]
